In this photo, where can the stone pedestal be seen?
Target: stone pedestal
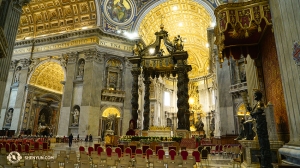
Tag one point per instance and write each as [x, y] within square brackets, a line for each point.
[250, 149]
[108, 132]
[182, 133]
[291, 153]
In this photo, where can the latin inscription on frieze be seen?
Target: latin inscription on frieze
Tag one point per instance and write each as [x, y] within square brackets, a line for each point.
[77, 42]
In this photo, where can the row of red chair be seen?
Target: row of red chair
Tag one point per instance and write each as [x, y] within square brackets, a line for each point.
[23, 147]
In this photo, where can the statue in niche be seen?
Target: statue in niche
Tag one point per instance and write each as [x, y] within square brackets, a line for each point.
[199, 124]
[9, 115]
[81, 69]
[17, 75]
[75, 114]
[110, 120]
[42, 119]
[33, 63]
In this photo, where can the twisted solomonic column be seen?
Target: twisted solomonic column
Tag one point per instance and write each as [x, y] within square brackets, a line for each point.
[135, 95]
[147, 83]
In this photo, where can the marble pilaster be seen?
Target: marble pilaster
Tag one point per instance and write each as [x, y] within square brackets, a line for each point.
[225, 114]
[64, 119]
[127, 109]
[9, 23]
[285, 20]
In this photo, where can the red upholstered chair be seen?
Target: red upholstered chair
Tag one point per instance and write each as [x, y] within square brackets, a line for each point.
[214, 149]
[184, 154]
[133, 148]
[81, 149]
[7, 147]
[221, 149]
[160, 154]
[108, 145]
[90, 149]
[118, 151]
[96, 146]
[144, 148]
[138, 151]
[149, 152]
[158, 147]
[122, 147]
[108, 151]
[172, 153]
[20, 148]
[128, 151]
[27, 149]
[36, 146]
[13, 147]
[99, 150]
[45, 146]
[172, 147]
[196, 155]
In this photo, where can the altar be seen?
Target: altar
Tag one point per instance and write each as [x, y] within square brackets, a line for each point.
[155, 131]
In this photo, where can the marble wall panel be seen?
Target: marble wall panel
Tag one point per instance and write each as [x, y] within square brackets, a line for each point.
[64, 120]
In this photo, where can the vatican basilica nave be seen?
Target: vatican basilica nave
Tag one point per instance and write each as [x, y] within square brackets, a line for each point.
[86, 67]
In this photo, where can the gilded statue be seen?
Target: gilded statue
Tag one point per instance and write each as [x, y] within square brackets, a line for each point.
[178, 43]
[137, 48]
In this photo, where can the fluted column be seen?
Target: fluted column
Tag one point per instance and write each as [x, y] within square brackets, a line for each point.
[147, 83]
[135, 94]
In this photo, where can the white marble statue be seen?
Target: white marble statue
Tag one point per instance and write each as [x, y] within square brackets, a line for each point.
[9, 117]
[81, 69]
[75, 116]
[17, 75]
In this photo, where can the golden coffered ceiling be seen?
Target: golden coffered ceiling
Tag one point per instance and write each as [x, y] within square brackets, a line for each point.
[48, 76]
[43, 17]
[187, 19]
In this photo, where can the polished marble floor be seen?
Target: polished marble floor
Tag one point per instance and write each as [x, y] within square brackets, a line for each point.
[214, 161]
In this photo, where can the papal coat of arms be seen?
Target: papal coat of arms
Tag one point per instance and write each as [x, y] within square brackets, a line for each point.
[296, 52]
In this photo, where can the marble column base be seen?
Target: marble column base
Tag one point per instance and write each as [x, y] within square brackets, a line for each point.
[291, 153]
[183, 133]
[250, 149]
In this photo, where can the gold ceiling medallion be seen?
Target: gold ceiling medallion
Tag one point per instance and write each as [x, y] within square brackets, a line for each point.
[119, 12]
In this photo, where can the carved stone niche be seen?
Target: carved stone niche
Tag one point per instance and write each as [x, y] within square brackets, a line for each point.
[114, 70]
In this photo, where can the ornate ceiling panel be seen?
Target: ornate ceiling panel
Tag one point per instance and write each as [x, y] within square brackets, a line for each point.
[43, 17]
[48, 76]
[185, 18]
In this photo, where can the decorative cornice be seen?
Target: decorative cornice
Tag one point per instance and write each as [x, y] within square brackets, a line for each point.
[69, 35]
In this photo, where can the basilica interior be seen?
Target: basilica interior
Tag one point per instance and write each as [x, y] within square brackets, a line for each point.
[153, 68]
